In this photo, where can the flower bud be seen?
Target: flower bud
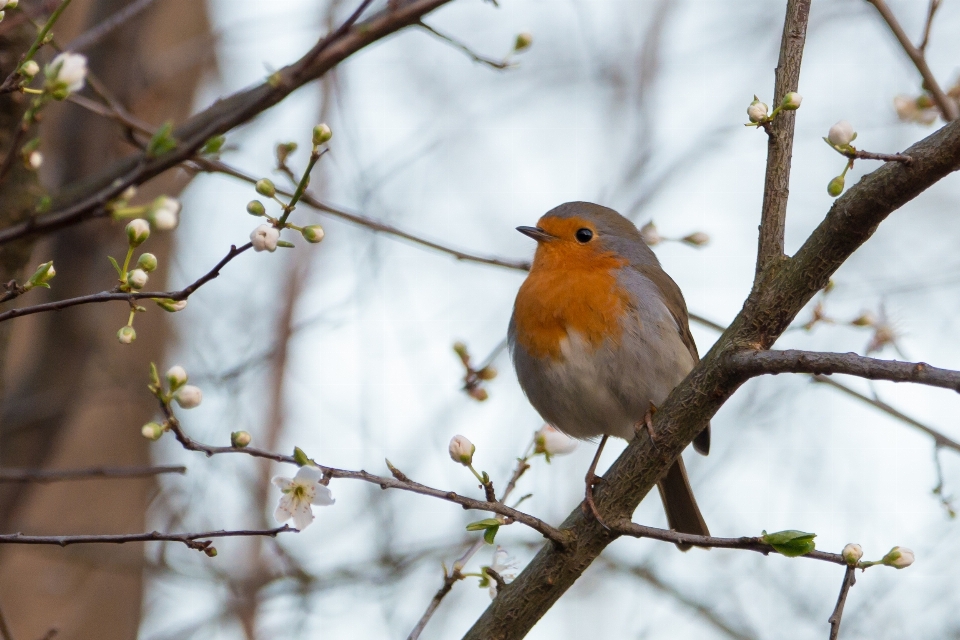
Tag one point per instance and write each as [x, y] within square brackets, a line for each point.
[321, 134]
[265, 188]
[138, 231]
[312, 234]
[152, 431]
[147, 262]
[835, 186]
[898, 558]
[461, 450]
[137, 278]
[240, 439]
[523, 41]
[487, 373]
[66, 74]
[865, 319]
[264, 238]
[791, 101]
[164, 213]
[34, 160]
[757, 110]
[11, 4]
[256, 208]
[852, 553]
[168, 304]
[176, 377]
[478, 393]
[841, 134]
[41, 276]
[126, 335]
[188, 396]
[29, 68]
[650, 235]
[697, 239]
[551, 442]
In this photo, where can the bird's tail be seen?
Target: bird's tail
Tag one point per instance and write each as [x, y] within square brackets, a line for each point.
[683, 514]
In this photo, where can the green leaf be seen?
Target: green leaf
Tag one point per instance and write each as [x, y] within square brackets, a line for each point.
[490, 534]
[301, 458]
[154, 375]
[213, 145]
[791, 543]
[483, 524]
[115, 266]
[162, 141]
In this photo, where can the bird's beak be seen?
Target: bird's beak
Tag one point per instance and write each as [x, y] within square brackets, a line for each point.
[536, 233]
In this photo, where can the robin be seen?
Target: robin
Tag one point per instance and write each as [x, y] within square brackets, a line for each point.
[600, 336]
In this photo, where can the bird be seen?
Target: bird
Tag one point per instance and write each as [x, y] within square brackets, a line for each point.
[600, 336]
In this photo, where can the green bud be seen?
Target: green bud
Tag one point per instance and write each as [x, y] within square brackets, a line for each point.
[240, 439]
[523, 41]
[147, 262]
[284, 149]
[41, 276]
[835, 187]
[791, 101]
[138, 231]
[152, 431]
[321, 134]
[60, 93]
[265, 188]
[210, 551]
[126, 335]
[312, 234]
[256, 208]
[29, 68]
[168, 304]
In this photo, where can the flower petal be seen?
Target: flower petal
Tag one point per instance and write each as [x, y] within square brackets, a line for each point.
[302, 515]
[308, 473]
[282, 483]
[284, 510]
[323, 496]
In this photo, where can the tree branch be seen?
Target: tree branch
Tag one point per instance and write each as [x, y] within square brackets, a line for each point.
[773, 217]
[90, 200]
[948, 108]
[849, 579]
[44, 476]
[198, 541]
[766, 313]
[756, 363]
[127, 296]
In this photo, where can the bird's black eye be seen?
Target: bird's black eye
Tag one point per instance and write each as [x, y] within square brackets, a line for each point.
[584, 235]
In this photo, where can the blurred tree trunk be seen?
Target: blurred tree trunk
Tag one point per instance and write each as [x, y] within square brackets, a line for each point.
[76, 397]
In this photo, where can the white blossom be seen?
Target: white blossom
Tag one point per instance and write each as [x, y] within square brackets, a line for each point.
[176, 376]
[898, 558]
[188, 396]
[68, 71]
[164, 213]
[757, 110]
[299, 493]
[551, 442]
[505, 566]
[852, 553]
[461, 450]
[841, 134]
[264, 238]
[909, 110]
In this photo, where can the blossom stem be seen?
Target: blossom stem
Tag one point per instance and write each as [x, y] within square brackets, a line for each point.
[479, 477]
[33, 91]
[42, 34]
[128, 212]
[301, 187]
[133, 311]
[126, 265]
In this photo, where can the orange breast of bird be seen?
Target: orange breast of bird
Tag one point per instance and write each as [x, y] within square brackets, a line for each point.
[570, 289]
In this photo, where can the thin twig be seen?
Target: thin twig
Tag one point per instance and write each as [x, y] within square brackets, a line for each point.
[755, 363]
[198, 541]
[105, 27]
[490, 62]
[44, 476]
[859, 154]
[776, 188]
[129, 297]
[849, 579]
[449, 579]
[931, 10]
[948, 108]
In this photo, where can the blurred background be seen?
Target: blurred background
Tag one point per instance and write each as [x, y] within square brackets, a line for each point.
[345, 348]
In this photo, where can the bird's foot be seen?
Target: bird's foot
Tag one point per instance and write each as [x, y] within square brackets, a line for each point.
[589, 506]
[647, 425]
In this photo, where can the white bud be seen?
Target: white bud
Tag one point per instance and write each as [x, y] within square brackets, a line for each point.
[176, 377]
[791, 101]
[757, 110]
[852, 553]
[30, 68]
[461, 450]
[171, 305]
[137, 232]
[188, 396]
[67, 71]
[34, 160]
[841, 134]
[152, 431]
[650, 235]
[697, 239]
[551, 442]
[321, 134]
[898, 558]
[264, 238]
[137, 278]
[240, 439]
[126, 335]
[312, 234]
[164, 213]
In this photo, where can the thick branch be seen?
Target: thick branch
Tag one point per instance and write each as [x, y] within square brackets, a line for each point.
[91, 199]
[756, 363]
[948, 108]
[767, 312]
[94, 473]
[776, 186]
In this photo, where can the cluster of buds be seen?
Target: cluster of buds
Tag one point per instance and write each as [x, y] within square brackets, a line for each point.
[651, 237]
[266, 237]
[163, 213]
[473, 378]
[840, 137]
[922, 109]
[7, 4]
[757, 111]
[176, 390]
